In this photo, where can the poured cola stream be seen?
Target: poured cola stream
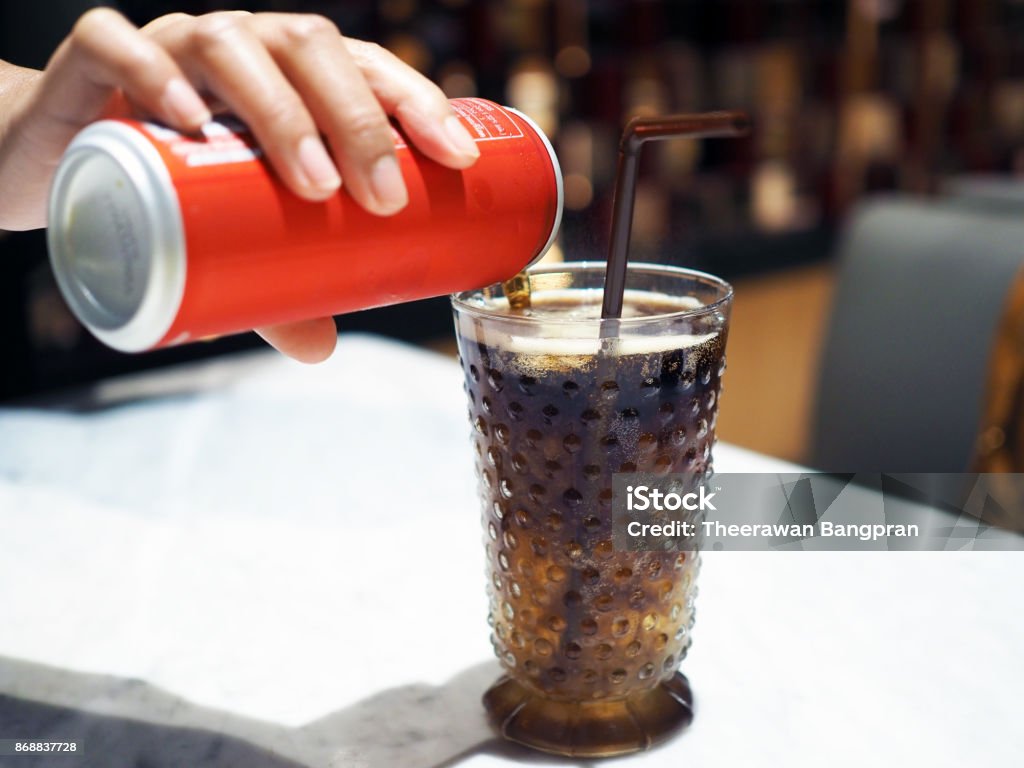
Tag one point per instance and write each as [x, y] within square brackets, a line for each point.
[517, 291]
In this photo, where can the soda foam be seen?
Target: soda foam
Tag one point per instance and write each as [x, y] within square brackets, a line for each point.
[571, 340]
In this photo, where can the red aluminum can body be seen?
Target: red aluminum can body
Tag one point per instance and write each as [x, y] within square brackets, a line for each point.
[158, 238]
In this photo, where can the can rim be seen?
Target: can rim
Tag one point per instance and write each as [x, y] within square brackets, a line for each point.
[556, 168]
[151, 182]
[460, 301]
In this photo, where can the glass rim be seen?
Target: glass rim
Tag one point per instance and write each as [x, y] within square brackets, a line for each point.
[460, 300]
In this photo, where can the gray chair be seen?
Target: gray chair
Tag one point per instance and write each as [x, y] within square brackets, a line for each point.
[921, 288]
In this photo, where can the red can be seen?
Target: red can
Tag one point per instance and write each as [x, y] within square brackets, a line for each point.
[158, 238]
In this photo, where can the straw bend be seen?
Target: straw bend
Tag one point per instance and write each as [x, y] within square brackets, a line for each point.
[637, 132]
[692, 126]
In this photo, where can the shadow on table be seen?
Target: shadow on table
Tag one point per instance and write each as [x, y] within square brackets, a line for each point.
[123, 723]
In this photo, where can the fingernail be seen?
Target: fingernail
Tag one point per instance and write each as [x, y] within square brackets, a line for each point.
[317, 164]
[388, 186]
[459, 137]
[184, 104]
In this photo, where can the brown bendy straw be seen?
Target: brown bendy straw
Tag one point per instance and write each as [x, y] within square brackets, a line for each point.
[638, 131]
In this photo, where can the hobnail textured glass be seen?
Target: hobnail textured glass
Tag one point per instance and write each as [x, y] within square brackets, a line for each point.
[590, 637]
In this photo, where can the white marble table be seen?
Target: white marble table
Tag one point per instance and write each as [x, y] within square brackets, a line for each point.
[257, 563]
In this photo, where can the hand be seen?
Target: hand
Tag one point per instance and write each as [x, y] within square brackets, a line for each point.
[290, 77]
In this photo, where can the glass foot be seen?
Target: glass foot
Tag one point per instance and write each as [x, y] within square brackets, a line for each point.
[598, 728]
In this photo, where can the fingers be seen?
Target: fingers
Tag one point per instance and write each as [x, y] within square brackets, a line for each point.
[103, 58]
[312, 55]
[222, 54]
[290, 77]
[308, 341]
[420, 106]
[105, 52]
